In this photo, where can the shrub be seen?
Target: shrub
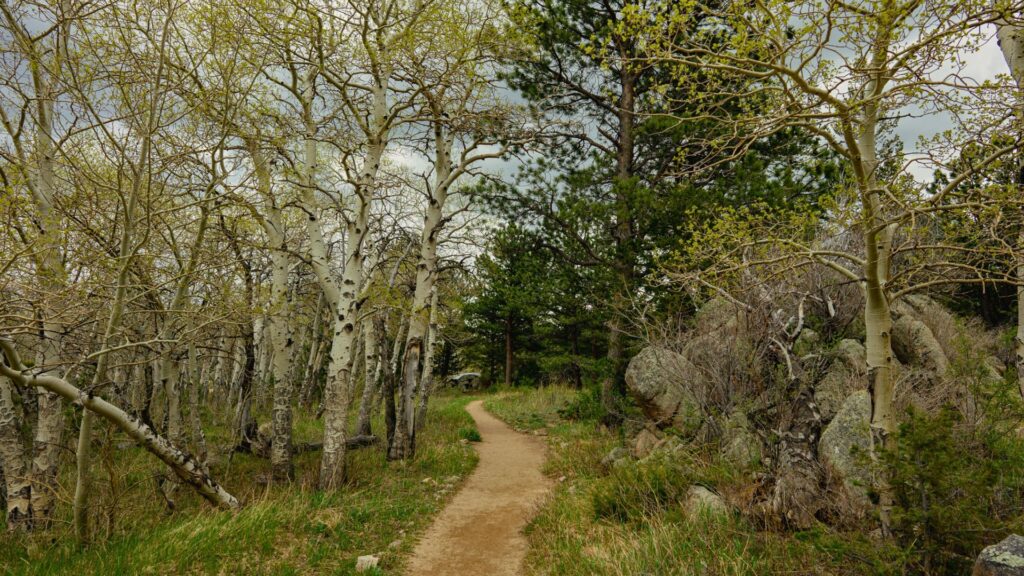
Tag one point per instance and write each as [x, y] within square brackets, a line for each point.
[586, 406]
[635, 492]
[957, 489]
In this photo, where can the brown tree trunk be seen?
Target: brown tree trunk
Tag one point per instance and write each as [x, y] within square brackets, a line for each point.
[509, 352]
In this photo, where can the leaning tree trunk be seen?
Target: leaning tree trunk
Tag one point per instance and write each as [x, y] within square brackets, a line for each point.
[184, 465]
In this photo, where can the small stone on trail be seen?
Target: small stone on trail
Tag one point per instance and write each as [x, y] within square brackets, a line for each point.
[463, 441]
[364, 563]
[561, 479]
[395, 545]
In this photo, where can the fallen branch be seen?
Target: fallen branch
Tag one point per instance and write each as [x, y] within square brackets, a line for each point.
[184, 465]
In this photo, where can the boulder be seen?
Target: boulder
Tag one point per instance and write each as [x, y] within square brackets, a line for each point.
[845, 376]
[716, 314]
[852, 354]
[740, 446]
[915, 344]
[703, 502]
[1003, 559]
[657, 379]
[845, 445]
[645, 443]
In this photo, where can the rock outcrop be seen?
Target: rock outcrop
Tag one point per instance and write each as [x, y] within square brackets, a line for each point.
[658, 378]
[845, 445]
[914, 343]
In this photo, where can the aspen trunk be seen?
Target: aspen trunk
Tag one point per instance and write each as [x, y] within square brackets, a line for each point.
[14, 461]
[194, 416]
[404, 442]
[1011, 43]
[280, 349]
[83, 460]
[315, 353]
[427, 378]
[370, 380]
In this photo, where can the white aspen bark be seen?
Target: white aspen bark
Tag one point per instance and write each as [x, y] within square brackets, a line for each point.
[184, 465]
[14, 461]
[344, 298]
[315, 351]
[170, 376]
[1011, 43]
[427, 378]
[51, 276]
[877, 308]
[404, 442]
[280, 338]
[194, 416]
[370, 381]
[45, 67]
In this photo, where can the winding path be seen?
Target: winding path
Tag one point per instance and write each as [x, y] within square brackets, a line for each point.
[480, 531]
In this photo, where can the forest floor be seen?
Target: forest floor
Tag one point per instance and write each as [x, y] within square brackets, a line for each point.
[281, 530]
[480, 531]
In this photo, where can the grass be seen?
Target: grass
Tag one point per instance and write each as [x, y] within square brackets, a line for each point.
[630, 520]
[281, 530]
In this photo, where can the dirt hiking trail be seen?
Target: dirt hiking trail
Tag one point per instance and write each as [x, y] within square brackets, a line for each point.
[479, 532]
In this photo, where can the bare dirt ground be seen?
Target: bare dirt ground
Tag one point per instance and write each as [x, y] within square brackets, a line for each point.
[480, 531]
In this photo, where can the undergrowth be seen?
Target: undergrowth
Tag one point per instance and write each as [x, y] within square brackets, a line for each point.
[630, 519]
[280, 531]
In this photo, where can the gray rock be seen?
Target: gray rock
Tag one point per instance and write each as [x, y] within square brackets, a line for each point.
[645, 443]
[364, 563]
[852, 353]
[845, 445]
[703, 502]
[657, 379]
[616, 454]
[740, 446]
[915, 344]
[715, 314]
[1003, 559]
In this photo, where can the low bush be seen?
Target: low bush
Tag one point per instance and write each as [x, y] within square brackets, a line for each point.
[636, 492]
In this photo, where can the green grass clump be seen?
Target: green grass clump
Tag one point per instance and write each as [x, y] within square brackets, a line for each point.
[469, 433]
[637, 492]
